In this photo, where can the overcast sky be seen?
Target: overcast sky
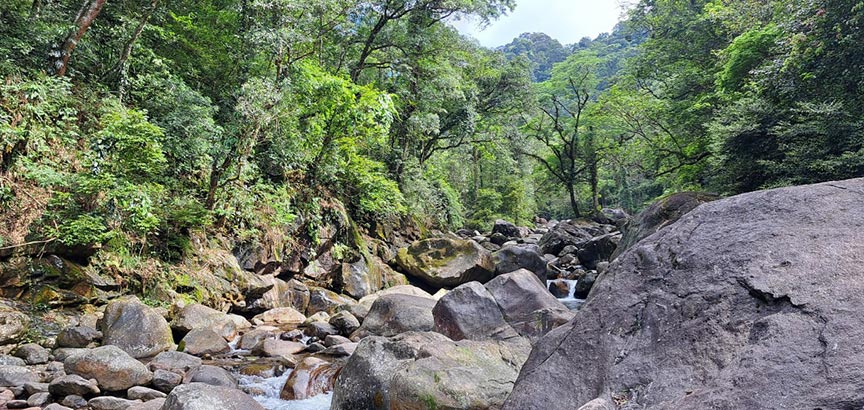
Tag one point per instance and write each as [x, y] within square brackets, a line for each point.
[565, 20]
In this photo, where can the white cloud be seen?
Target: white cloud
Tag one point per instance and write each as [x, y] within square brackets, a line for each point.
[565, 20]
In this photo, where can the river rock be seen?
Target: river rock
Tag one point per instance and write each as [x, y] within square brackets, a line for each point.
[361, 309]
[143, 393]
[32, 353]
[526, 303]
[17, 376]
[584, 285]
[281, 316]
[211, 375]
[13, 325]
[111, 403]
[506, 228]
[320, 330]
[155, 404]
[7, 360]
[55, 406]
[165, 381]
[173, 361]
[311, 377]
[200, 396]
[204, 341]
[139, 330]
[345, 322]
[514, 257]
[559, 288]
[113, 368]
[754, 301]
[359, 279]
[446, 262]
[72, 384]
[39, 400]
[78, 336]
[394, 314]
[255, 336]
[598, 249]
[565, 234]
[197, 316]
[470, 312]
[364, 382]
[277, 348]
[323, 300]
[660, 214]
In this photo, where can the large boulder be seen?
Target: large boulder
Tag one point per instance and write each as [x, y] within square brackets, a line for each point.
[361, 309]
[446, 262]
[660, 214]
[506, 229]
[514, 257]
[526, 303]
[394, 314]
[427, 370]
[323, 300]
[598, 249]
[755, 301]
[13, 325]
[197, 316]
[200, 396]
[204, 341]
[136, 328]
[567, 233]
[309, 378]
[113, 368]
[17, 376]
[470, 312]
[359, 279]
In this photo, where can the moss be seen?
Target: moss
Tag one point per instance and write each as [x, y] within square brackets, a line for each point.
[429, 401]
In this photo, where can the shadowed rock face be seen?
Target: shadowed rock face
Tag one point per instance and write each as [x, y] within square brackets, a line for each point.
[755, 301]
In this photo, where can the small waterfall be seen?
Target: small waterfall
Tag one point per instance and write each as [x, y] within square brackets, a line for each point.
[266, 391]
[569, 300]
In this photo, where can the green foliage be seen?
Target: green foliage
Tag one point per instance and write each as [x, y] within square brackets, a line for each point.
[745, 53]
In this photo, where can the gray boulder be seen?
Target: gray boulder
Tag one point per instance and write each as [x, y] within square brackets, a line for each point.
[17, 376]
[526, 303]
[13, 325]
[200, 396]
[506, 229]
[394, 314]
[211, 375]
[78, 336]
[72, 384]
[470, 312]
[572, 233]
[174, 361]
[197, 316]
[514, 257]
[113, 368]
[446, 262]
[32, 353]
[598, 249]
[204, 341]
[111, 403]
[136, 328]
[754, 301]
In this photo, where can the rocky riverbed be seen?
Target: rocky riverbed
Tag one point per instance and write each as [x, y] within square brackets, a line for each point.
[453, 335]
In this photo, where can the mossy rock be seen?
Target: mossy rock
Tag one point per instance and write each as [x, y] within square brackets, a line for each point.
[446, 262]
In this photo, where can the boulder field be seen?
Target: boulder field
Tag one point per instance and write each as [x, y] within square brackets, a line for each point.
[750, 302]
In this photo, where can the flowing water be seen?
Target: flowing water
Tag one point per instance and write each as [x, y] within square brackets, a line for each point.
[570, 301]
[270, 389]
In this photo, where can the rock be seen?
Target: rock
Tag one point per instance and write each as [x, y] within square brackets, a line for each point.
[6, 360]
[277, 348]
[320, 330]
[13, 325]
[55, 406]
[333, 340]
[318, 317]
[72, 384]
[340, 350]
[345, 322]
[253, 337]
[39, 400]
[316, 347]
[113, 368]
[559, 288]
[165, 381]
[111, 403]
[659, 215]
[295, 335]
[323, 300]
[515, 257]
[470, 312]
[394, 314]
[445, 262]
[197, 316]
[507, 229]
[597, 404]
[204, 341]
[155, 404]
[427, 370]
[526, 304]
[173, 361]
[17, 376]
[78, 336]
[32, 353]
[283, 294]
[598, 249]
[359, 279]
[64, 353]
[726, 308]
[281, 316]
[566, 234]
[74, 401]
[311, 377]
[136, 328]
[498, 239]
[361, 309]
[143, 393]
[584, 285]
[211, 375]
[33, 388]
[459, 375]
[199, 396]
[364, 382]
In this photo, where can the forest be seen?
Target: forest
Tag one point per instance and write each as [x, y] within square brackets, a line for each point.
[128, 127]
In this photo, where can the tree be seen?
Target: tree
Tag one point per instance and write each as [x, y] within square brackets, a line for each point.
[85, 18]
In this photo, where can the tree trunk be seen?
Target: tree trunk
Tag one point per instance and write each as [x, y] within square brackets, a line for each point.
[86, 16]
[595, 196]
[121, 66]
[573, 202]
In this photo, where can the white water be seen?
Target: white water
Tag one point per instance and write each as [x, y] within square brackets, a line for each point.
[570, 300]
[271, 387]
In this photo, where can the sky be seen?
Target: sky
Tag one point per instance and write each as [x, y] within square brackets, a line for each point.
[565, 20]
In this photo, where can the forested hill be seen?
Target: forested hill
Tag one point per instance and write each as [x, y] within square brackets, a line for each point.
[131, 130]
